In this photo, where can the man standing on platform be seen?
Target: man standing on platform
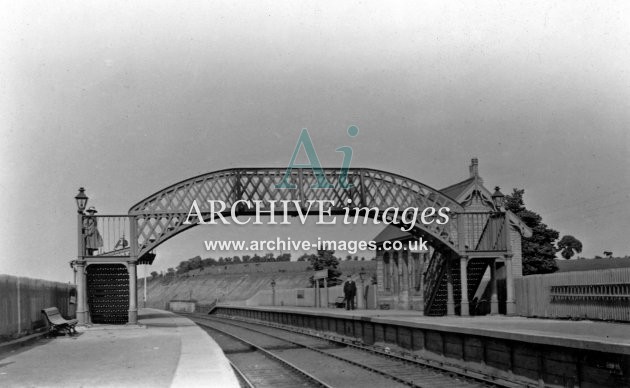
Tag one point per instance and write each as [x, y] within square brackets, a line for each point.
[349, 292]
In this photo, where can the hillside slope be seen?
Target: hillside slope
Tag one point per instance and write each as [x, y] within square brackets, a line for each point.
[234, 283]
[227, 287]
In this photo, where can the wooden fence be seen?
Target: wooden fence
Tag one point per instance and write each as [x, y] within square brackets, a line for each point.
[305, 297]
[21, 302]
[602, 295]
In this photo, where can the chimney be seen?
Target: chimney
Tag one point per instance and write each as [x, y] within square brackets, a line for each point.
[474, 167]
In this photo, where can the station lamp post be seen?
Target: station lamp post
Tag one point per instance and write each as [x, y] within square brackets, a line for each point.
[82, 201]
[273, 292]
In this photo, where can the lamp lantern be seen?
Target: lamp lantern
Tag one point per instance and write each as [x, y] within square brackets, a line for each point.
[81, 199]
[498, 198]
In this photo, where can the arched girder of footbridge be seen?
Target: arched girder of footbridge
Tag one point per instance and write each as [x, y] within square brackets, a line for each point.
[160, 216]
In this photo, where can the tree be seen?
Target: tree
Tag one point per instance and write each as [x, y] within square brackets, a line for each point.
[569, 246]
[183, 267]
[154, 274]
[305, 257]
[284, 257]
[539, 252]
[195, 263]
[325, 260]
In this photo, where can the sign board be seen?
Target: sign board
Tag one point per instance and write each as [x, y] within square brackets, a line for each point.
[323, 274]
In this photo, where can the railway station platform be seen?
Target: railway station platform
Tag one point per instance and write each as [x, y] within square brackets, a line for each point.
[513, 349]
[588, 335]
[163, 350]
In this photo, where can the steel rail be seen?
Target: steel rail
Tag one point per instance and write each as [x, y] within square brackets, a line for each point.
[270, 355]
[442, 367]
[241, 376]
[363, 366]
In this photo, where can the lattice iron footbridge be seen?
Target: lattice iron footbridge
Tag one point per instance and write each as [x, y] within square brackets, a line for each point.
[130, 239]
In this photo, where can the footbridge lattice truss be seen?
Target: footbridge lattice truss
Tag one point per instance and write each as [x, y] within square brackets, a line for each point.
[161, 215]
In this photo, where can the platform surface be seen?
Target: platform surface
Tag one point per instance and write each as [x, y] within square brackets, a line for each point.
[591, 335]
[164, 350]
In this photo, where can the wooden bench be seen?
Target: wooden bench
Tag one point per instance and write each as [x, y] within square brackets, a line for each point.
[340, 302]
[57, 323]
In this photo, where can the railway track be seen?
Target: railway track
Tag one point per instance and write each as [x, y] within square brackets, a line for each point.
[258, 367]
[305, 360]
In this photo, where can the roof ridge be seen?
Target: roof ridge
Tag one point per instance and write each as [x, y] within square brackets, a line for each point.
[472, 178]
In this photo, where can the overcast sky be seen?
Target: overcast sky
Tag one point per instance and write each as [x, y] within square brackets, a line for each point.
[125, 99]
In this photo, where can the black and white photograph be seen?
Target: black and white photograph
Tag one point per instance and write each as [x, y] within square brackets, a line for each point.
[344, 194]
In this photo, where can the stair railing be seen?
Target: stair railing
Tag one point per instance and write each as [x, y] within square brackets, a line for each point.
[432, 278]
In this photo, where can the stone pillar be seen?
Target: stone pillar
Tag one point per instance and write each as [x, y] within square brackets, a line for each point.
[420, 269]
[81, 293]
[510, 307]
[327, 295]
[80, 274]
[361, 296]
[411, 279]
[133, 293]
[396, 274]
[404, 294]
[463, 273]
[380, 271]
[494, 298]
[450, 301]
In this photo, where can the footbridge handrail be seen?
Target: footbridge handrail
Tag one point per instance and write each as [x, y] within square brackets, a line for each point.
[161, 215]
